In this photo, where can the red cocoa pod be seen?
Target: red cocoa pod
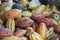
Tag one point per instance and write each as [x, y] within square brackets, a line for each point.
[57, 28]
[38, 14]
[44, 20]
[4, 32]
[20, 33]
[24, 22]
[10, 14]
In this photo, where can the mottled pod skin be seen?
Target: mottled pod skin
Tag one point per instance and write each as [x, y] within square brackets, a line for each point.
[24, 22]
[43, 20]
[4, 32]
[20, 33]
[11, 14]
[38, 14]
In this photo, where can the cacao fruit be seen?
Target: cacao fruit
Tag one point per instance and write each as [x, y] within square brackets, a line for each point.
[24, 2]
[10, 24]
[41, 8]
[50, 32]
[38, 14]
[43, 20]
[26, 14]
[4, 32]
[42, 30]
[54, 9]
[33, 5]
[47, 12]
[24, 22]
[11, 38]
[11, 14]
[2, 8]
[19, 16]
[20, 33]
[33, 35]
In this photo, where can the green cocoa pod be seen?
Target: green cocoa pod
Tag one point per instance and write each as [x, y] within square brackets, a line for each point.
[10, 24]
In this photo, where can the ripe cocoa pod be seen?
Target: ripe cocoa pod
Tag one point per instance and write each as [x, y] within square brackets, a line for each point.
[24, 22]
[42, 30]
[11, 38]
[4, 32]
[38, 14]
[33, 35]
[10, 24]
[11, 14]
[20, 33]
[26, 14]
[44, 20]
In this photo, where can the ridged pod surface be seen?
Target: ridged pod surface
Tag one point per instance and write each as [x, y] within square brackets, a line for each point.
[10, 24]
[42, 30]
[33, 35]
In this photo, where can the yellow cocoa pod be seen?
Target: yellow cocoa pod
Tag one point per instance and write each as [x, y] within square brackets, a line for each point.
[42, 30]
[33, 35]
[11, 38]
[10, 24]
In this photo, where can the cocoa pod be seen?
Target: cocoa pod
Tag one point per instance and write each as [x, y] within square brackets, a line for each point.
[24, 22]
[10, 24]
[44, 20]
[42, 30]
[33, 35]
[4, 32]
[20, 33]
[11, 14]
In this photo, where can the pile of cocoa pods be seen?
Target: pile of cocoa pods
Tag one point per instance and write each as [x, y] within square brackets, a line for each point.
[29, 21]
